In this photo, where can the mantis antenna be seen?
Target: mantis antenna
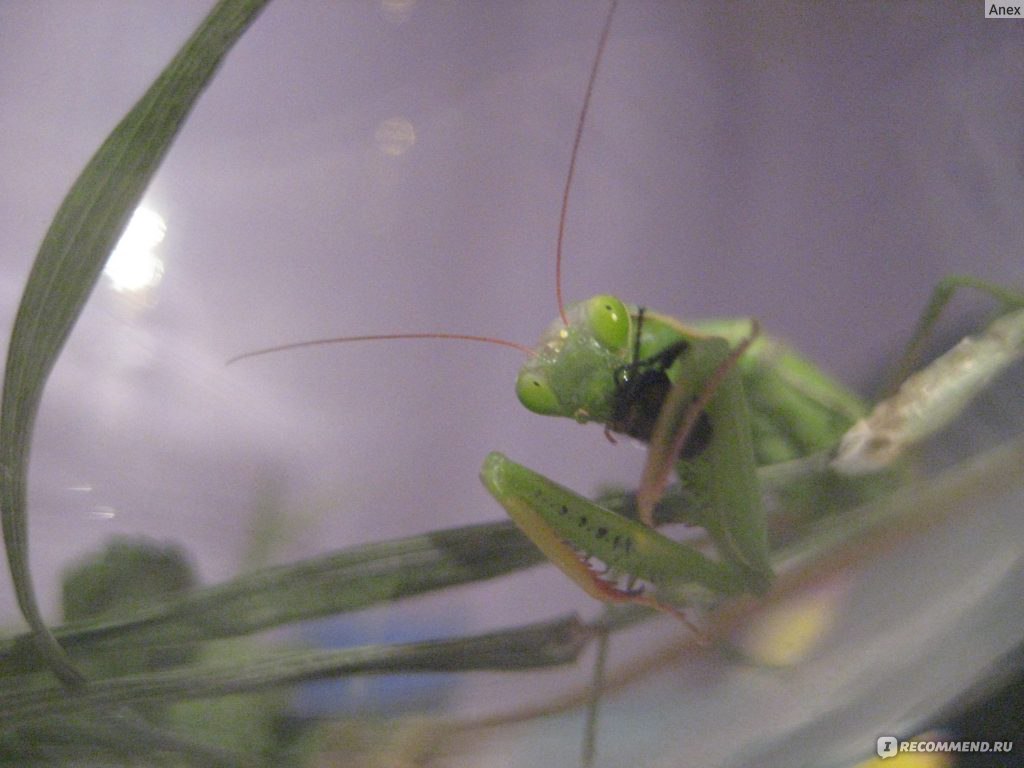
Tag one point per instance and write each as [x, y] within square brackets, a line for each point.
[563, 215]
[382, 337]
[572, 159]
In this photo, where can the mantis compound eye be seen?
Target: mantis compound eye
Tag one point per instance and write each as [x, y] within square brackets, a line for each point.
[609, 320]
[536, 394]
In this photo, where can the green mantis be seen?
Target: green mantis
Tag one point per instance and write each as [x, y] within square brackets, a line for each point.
[614, 364]
[714, 402]
[642, 375]
[783, 408]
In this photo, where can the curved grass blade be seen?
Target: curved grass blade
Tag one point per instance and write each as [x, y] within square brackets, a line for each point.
[108, 739]
[548, 643]
[343, 581]
[69, 263]
[85, 739]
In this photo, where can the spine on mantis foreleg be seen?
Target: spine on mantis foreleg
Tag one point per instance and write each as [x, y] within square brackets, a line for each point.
[573, 532]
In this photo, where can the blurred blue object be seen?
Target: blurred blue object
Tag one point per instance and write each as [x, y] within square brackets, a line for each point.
[378, 694]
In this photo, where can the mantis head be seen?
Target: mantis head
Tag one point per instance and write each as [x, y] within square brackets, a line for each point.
[573, 369]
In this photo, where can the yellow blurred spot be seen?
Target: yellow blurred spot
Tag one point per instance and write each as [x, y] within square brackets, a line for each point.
[914, 759]
[785, 634]
[394, 136]
[910, 760]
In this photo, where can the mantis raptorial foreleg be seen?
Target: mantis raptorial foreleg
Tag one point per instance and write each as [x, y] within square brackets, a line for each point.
[612, 558]
[676, 421]
[727, 482]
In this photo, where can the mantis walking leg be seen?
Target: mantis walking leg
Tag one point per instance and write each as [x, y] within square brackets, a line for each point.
[930, 399]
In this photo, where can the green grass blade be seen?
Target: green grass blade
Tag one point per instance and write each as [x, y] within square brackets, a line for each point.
[69, 263]
[343, 581]
[548, 643]
[100, 739]
[108, 739]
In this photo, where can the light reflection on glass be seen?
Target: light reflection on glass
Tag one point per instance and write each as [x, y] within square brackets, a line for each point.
[397, 11]
[133, 267]
[789, 631]
[104, 512]
[394, 136]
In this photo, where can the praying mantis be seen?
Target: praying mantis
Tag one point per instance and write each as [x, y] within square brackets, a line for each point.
[706, 379]
[781, 394]
[683, 390]
[713, 401]
[703, 427]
